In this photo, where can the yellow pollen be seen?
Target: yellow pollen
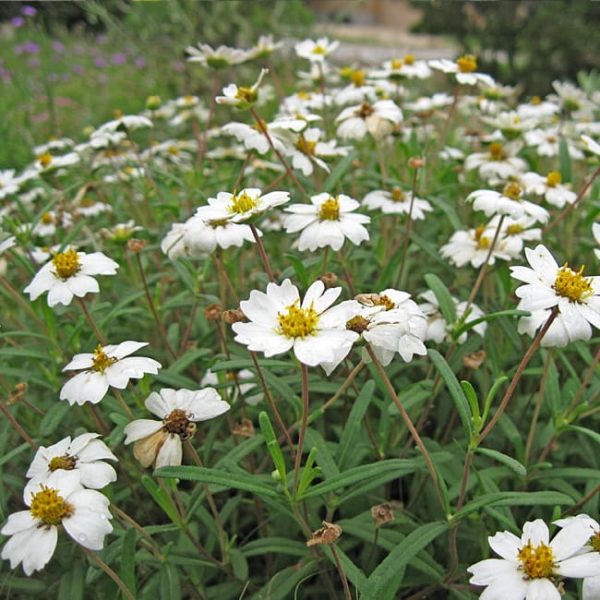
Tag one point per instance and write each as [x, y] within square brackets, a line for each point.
[305, 146]
[483, 242]
[572, 284]
[553, 179]
[318, 49]
[260, 125]
[218, 223]
[117, 113]
[49, 507]
[242, 203]
[45, 159]
[304, 95]
[497, 151]
[358, 78]
[173, 150]
[357, 324]
[188, 99]
[298, 322]
[514, 229]
[397, 63]
[512, 190]
[246, 94]
[385, 301]
[365, 110]
[47, 218]
[330, 210]
[65, 462]
[467, 63]
[409, 59]
[536, 101]
[87, 202]
[595, 541]
[538, 562]
[101, 361]
[178, 423]
[66, 264]
[398, 195]
[552, 139]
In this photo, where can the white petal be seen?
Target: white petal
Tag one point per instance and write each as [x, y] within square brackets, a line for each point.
[141, 428]
[171, 452]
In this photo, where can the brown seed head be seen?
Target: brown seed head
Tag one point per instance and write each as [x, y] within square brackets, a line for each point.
[382, 513]
[474, 360]
[329, 279]
[232, 316]
[416, 162]
[328, 534]
[213, 312]
[135, 245]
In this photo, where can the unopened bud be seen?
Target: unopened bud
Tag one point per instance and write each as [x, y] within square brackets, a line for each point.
[474, 360]
[416, 162]
[329, 279]
[153, 102]
[232, 316]
[135, 245]
[244, 429]
[382, 513]
[328, 534]
[213, 312]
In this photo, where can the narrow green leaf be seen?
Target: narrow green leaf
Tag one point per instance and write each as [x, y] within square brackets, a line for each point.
[593, 435]
[338, 172]
[128, 560]
[489, 317]
[308, 473]
[273, 445]
[490, 397]
[511, 463]
[170, 585]
[564, 160]
[443, 296]
[456, 391]
[471, 395]
[161, 498]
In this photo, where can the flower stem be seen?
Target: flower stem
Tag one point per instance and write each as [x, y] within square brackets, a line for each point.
[517, 376]
[408, 226]
[17, 427]
[408, 422]
[340, 568]
[112, 574]
[262, 253]
[90, 321]
[538, 407]
[121, 400]
[303, 425]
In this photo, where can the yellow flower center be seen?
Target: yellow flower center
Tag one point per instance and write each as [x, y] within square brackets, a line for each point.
[385, 301]
[117, 113]
[538, 562]
[512, 190]
[305, 146]
[218, 223]
[47, 218]
[398, 195]
[87, 202]
[66, 264]
[514, 229]
[483, 242]
[467, 63]
[572, 284]
[173, 150]
[260, 125]
[409, 59]
[365, 110]
[298, 322]
[553, 179]
[45, 159]
[536, 101]
[101, 361]
[65, 462]
[242, 203]
[358, 78]
[49, 506]
[357, 324]
[397, 63]
[552, 139]
[595, 541]
[178, 423]
[246, 94]
[330, 210]
[497, 151]
[318, 49]
[304, 95]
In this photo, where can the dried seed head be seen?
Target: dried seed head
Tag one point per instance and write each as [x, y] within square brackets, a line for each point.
[382, 513]
[17, 394]
[135, 245]
[328, 534]
[232, 316]
[329, 279]
[416, 162]
[474, 360]
[213, 312]
[244, 429]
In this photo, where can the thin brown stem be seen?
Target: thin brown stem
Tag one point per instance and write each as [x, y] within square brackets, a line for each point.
[121, 400]
[91, 321]
[340, 568]
[537, 408]
[304, 423]
[112, 574]
[262, 253]
[584, 384]
[408, 226]
[408, 422]
[517, 376]
[17, 427]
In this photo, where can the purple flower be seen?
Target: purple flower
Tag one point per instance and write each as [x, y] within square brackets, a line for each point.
[102, 39]
[100, 62]
[31, 48]
[140, 62]
[17, 22]
[119, 58]
[58, 46]
[29, 11]
[34, 63]
[78, 69]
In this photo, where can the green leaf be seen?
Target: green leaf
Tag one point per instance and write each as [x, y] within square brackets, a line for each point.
[462, 327]
[387, 577]
[273, 445]
[490, 397]
[170, 585]
[274, 545]
[72, 583]
[161, 498]
[239, 564]
[282, 584]
[443, 296]
[338, 172]
[593, 435]
[456, 391]
[564, 160]
[354, 424]
[128, 560]
[471, 395]
[239, 481]
[511, 463]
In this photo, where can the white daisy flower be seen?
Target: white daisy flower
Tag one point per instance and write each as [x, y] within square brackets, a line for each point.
[108, 366]
[396, 202]
[158, 443]
[241, 206]
[84, 455]
[438, 329]
[550, 187]
[317, 51]
[392, 324]
[498, 164]
[426, 105]
[514, 233]
[9, 184]
[307, 151]
[328, 221]
[70, 273]
[48, 162]
[542, 111]
[531, 564]
[377, 119]
[547, 143]
[547, 286]
[596, 233]
[264, 47]
[401, 68]
[241, 97]
[254, 139]
[510, 124]
[464, 69]
[314, 329]
[591, 585]
[472, 246]
[571, 98]
[124, 123]
[197, 237]
[54, 146]
[216, 58]
[508, 202]
[244, 375]
[83, 514]
[590, 145]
